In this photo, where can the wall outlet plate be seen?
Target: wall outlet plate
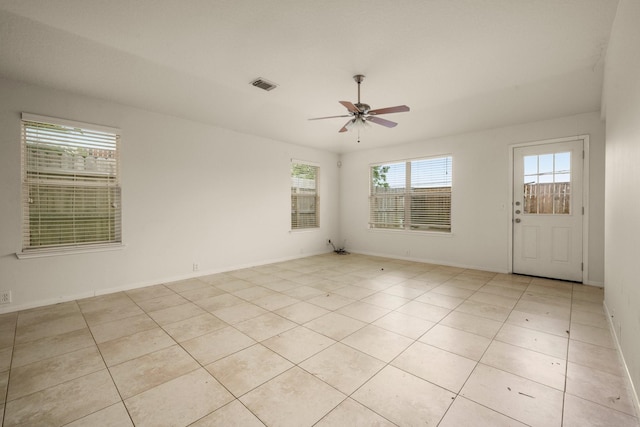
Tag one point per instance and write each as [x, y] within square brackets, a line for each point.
[5, 297]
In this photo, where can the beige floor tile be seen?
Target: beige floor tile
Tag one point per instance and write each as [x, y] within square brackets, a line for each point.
[424, 311]
[5, 358]
[219, 301]
[277, 284]
[467, 282]
[351, 413]
[63, 403]
[499, 300]
[549, 310]
[178, 402]
[233, 285]
[342, 367]
[437, 366]
[404, 399]
[194, 327]
[265, 326]
[47, 347]
[121, 328]
[454, 340]
[275, 301]
[488, 311]
[301, 312]
[378, 342]
[278, 402]
[564, 291]
[591, 307]
[453, 291]
[403, 291]
[330, 301]
[469, 323]
[335, 326]
[383, 300]
[218, 344]
[403, 324]
[233, 414]
[8, 323]
[198, 294]
[159, 303]
[113, 416]
[176, 313]
[298, 344]
[552, 345]
[516, 397]
[526, 363]
[303, 292]
[550, 325]
[50, 372]
[598, 320]
[592, 335]
[599, 387]
[239, 313]
[186, 285]
[596, 357]
[362, 311]
[247, 369]
[252, 293]
[579, 413]
[490, 288]
[145, 372]
[596, 298]
[354, 292]
[4, 383]
[110, 313]
[100, 302]
[47, 313]
[440, 300]
[149, 292]
[126, 348]
[60, 325]
[465, 413]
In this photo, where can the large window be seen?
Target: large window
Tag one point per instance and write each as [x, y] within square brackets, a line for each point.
[411, 195]
[70, 185]
[305, 203]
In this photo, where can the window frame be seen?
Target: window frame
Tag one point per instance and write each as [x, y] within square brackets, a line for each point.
[295, 225]
[102, 180]
[404, 200]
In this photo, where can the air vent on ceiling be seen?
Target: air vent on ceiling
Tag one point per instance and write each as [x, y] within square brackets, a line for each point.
[264, 84]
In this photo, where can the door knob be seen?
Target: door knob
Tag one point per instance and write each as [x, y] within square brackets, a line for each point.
[518, 212]
[518, 220]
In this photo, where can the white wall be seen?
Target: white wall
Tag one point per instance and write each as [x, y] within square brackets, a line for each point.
[481, 196]
[192, 193]
[622, 224]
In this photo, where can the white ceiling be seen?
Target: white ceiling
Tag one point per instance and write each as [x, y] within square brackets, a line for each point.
[461, 65]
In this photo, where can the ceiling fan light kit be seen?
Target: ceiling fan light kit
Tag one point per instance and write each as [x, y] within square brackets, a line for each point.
[361, 114]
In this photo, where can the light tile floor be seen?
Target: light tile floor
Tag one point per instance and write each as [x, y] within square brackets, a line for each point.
[328, 341]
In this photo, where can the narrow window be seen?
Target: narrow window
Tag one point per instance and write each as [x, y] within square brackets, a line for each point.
[70, 184]
[305, 202]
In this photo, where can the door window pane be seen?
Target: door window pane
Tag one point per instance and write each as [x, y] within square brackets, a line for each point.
[547, 184]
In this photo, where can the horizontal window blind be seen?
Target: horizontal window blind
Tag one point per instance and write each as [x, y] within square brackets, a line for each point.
[71, 190]
[304, 196]
[411, 195]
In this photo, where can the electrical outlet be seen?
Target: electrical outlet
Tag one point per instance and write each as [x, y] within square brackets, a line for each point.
[5, 297]
[195, 267]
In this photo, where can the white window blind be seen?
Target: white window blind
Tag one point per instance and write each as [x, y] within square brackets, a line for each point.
[411, 195]
[70, 184]
[305, 202]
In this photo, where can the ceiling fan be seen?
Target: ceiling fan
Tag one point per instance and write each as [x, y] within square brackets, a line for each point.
[361, 114]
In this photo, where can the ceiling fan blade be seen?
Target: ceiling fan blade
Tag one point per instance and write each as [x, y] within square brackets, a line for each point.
[383, 122]
[398, 109]
[344, 128]
[349, 106]
[329, 117]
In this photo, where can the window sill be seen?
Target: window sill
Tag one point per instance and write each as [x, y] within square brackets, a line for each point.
[49, 252]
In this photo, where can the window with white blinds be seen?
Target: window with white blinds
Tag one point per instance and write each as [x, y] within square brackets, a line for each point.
[305, 202]
[70, 184]
[411, 195]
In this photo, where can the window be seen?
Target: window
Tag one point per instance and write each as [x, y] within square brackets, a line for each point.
[70, 185]
[411, 195]
[547, 184]
[304, 196]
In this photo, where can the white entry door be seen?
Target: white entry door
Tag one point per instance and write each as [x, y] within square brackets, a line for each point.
[548, 210]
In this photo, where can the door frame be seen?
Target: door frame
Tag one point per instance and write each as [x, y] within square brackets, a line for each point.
[585, 196]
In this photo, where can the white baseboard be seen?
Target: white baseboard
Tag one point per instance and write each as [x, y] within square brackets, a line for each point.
[632, 388]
